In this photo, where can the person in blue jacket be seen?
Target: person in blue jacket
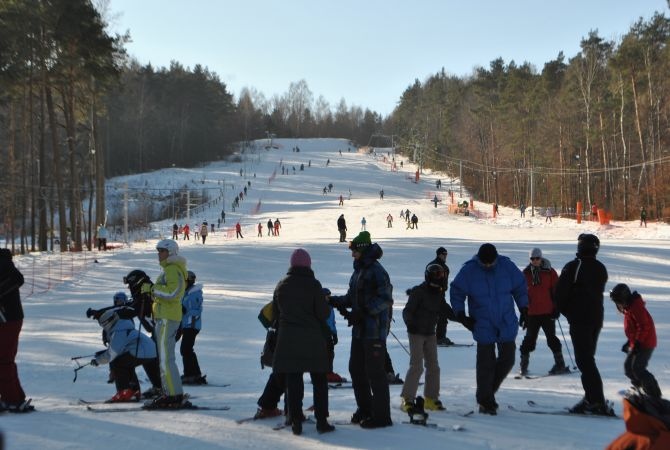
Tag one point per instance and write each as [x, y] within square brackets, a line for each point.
[370, 297]
[491, 284]
[127, 349]
[191, 323]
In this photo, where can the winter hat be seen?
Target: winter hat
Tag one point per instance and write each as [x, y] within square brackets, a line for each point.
[535, 253]
[300, 258]
[361, 242]
[487, 253]
[441, 251]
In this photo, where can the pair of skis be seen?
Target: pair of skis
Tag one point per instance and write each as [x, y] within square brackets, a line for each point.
[535, 408]
[535, 377]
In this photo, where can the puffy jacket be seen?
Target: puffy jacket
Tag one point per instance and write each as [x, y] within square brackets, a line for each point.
[541, 295]
[123, 339]
[169, 289]
[579, 292]
[10, 282]
[491, 293]
[192, 308]
[638, 324]
[423, 308]
[300, 306]
[371, 292]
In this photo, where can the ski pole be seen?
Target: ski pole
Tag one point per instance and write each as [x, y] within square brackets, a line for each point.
[74, 358]
[574, 366]
[401, 344]
[79, 367]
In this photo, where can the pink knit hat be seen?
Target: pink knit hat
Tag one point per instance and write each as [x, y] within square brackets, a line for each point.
[300, 258]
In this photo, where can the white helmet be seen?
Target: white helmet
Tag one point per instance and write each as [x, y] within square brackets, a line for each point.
[108, 319]
[168, 244]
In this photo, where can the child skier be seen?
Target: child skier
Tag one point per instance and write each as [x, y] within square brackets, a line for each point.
[191, 323]
[128, 348]
[641, 333]
[420, 315]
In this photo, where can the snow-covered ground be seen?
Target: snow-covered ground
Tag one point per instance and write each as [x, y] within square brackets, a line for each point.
[240, 274]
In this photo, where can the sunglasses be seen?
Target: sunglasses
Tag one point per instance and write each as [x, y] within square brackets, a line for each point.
[535, 258]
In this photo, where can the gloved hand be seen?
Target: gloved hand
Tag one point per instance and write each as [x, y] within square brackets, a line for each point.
[625, 347]
[90, 312]
[635, 349]
[334, 338]
[146, 288]
[467, 322]
[411, 329]
[94, 362]
[177, 336]
[523, 318]
[555, 314]
[355, 317]
[326, 292]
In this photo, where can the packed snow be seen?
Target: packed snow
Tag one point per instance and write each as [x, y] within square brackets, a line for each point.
[239, 276]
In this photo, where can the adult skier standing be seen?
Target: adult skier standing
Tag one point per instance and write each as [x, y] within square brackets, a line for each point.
[370, 297]
[579, 294]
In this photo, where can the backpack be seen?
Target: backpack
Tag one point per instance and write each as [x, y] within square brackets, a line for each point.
[269, 322]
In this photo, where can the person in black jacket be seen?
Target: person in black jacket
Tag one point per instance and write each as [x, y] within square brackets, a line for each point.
[420, 315]
[300, 306]
[12, 397]
[579, 295]
[342, 228]
[446, 312]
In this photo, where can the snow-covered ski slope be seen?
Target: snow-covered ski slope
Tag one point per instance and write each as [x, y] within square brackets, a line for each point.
[239, 276]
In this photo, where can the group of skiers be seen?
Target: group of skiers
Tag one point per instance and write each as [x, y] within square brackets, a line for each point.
[201, 231]
[537, 293]
[171, 308]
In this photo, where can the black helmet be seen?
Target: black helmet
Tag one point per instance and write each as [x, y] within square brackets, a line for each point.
[190, 278]
[135, 279]
[587, 244]
[435, 274]
[620, 294]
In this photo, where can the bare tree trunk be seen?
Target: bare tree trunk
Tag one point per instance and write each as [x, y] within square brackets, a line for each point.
[11, 165]
[638, 127]
[75, 199]
[57, 169]
[41, 176]
[626, 168]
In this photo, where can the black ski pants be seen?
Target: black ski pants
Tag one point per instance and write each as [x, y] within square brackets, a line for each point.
[368, 377]
[189, 358]
[585, 342]
[274, 389]
[635, 367]
[123, 369]
[295, 391]
[534, 324]
[492, 369]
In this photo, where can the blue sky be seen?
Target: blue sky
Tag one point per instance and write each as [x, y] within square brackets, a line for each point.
[367, 51]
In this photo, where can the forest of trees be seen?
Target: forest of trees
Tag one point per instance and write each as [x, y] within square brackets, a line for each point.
[75, 109]
[593, 128]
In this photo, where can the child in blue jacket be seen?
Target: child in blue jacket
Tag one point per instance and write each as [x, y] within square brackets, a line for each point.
[191, 323]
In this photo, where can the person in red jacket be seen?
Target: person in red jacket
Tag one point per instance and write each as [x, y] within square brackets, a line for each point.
[641, 333]
[541, 280]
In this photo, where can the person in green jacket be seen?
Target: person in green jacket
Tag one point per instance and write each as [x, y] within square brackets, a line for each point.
[167, 293]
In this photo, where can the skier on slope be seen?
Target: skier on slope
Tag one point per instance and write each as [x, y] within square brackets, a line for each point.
[446, 312]
[541, 280]
[128, 348]
[191, 324]
[420, 315]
